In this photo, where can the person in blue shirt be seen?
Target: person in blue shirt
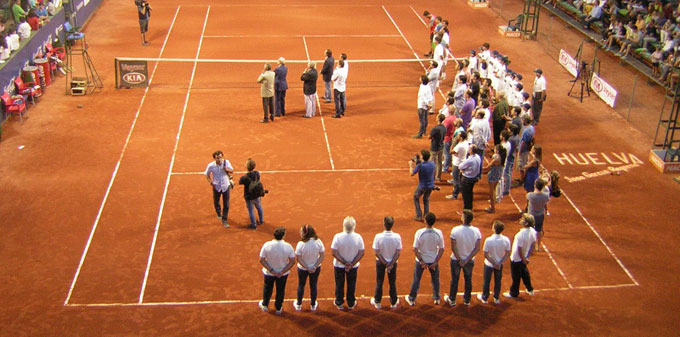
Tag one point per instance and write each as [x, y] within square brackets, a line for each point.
[425, 171]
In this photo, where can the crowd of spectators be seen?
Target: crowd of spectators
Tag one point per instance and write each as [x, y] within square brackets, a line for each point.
[647, 30]
[20, 18]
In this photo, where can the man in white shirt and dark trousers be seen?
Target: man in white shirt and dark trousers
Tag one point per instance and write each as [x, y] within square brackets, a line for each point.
[338, 79]
[277, 257]
[522, 248]
[539, 96]
[348, 249]
[428, 246]
[387, 246]
[218, 175]
[469, 169]
[496, 251]
[465, 243]
[425, 100]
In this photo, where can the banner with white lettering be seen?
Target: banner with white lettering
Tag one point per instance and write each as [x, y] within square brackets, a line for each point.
[605, 91]
[568, 62]
[132, 74]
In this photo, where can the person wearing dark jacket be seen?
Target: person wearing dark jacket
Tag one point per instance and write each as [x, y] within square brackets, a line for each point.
[327, 72]
[252, 201]
[309, 76]
[280, 87]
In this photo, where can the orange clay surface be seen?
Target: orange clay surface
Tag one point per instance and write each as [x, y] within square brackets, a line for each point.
[133, 217]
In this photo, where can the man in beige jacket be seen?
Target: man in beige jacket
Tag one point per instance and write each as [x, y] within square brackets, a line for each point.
[267, 92]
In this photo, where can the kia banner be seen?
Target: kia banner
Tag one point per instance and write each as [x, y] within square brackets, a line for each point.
[131, 74]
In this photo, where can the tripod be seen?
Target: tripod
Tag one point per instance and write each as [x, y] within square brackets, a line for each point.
[582, 76]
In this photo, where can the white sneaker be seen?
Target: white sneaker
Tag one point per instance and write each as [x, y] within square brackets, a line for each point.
[339, 306]
[530, 293]
[279, 312]
[315, 306]
[507, 294]
[262, 307]
[496, 300]
[353, 306]
[449, 301]
[297, 306]
[408, 300]
[436, 302]
[376, 305]
[395, 305]
[481, 299]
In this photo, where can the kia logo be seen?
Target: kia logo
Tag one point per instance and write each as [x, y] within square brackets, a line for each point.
[134, 78]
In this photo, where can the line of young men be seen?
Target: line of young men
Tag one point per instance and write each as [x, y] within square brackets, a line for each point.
[278, 257]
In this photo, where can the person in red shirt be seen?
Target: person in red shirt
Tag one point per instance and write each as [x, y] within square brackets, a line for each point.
[449, 123]
[33, 20]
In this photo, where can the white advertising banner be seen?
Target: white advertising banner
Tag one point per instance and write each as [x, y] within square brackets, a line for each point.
[606, 92]
[568, 62]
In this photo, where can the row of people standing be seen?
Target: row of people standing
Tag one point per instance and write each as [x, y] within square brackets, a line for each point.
[274, 86]
[277, 257]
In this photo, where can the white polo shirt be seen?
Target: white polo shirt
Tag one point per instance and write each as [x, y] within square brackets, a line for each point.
[459, 152]
[428, 241]
[425, 97]
[387, 243]
[220, 179]
[539, 84]
[308, 252]
[496, 245]
[526, 237]
[348, 246]
[276, 253]
[338, 78]
[466, 237]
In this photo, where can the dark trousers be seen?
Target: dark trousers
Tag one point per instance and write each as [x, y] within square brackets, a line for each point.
[340, 276]
[519, 271]
[536, 108]
[455, 276]
[221, 211]
[466, 187]
[498, 127]
[269, 288]
[417, 275]
[280, 102]
[497, 275]
[380, 278]
[339, 98]
[268, 107]
[422, 116]
[302, 279]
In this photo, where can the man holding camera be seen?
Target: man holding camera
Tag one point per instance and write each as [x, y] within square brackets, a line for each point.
[425, 171]
[144, 13]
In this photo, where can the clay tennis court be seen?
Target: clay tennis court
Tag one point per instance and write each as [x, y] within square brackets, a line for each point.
[107, 219]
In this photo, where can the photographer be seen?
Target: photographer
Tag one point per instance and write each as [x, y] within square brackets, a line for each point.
[425, 171]
[144, 13]
[253, 198]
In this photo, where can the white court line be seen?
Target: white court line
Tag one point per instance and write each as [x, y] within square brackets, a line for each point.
[299, 35]
[307, 171]
[323, 124]
[115, 170]
[546, 250]
[362, 297]
[172, 164]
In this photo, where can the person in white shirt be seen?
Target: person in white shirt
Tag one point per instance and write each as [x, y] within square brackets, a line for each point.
[486, 53]
[343, 57]
[496, 251]
[440, 55]
[309, 253]
[473, 62]
[539, 96]
[348, 249]
[465, 243]
[24, 29]
[433, 77]
[425, 100]
[428, 246]
[218, 174]
[481, 131]
[277, 257]
[457, 157]
[387, 246]
[522, 248]
[338, 78]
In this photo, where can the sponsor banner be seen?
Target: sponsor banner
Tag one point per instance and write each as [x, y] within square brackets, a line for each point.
[605, 91]
[133, 74]
[569, 63]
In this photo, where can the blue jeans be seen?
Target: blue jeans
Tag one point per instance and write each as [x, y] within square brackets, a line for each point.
[327, 92]
[447, 156]
[340, 276]
[302, 279]
[280, 102]
[507, 176]
[269, 289]
[339, 98]
[455, 173]
[380, 279]
[425, 193]
[417, 275]
[422, 116]
[221, 211]
[455, 276]
[497, 276]
[256, 203]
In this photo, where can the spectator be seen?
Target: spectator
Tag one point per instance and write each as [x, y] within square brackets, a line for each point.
[280, 87]
[17, 11]
[537, 203]
[338, 78]
[595, 15]
[494, 171]
[633, 40]
[467, 109]
[33, 20]
[450, 125]
[266, 79]
[433, 80]
[252, 197]
[218, 173]
[531, 168]
[539, 95]
[276, 257]
[309, 254]
[24, 29]
[425, 101]
[526, 142]
[465, 243]
[496, 251]
[309, 77]
[428, 246]
[437, 135]
[425, 171]
[458, 153]
[522, 249]
[470, 169]
[348, 249]
[432, 23]
[327, 73]
[387, 246]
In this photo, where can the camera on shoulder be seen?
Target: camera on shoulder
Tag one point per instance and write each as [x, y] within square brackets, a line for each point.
[416, 159]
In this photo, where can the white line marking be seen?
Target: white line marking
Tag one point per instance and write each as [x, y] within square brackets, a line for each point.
[307, 171]
[115, 171]
[600, 238]
[298, 35]
[304, 40]
[156, 59]
[323, 124]
[546, 250]
[172, 164]
[362, 297]
[416, 13]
